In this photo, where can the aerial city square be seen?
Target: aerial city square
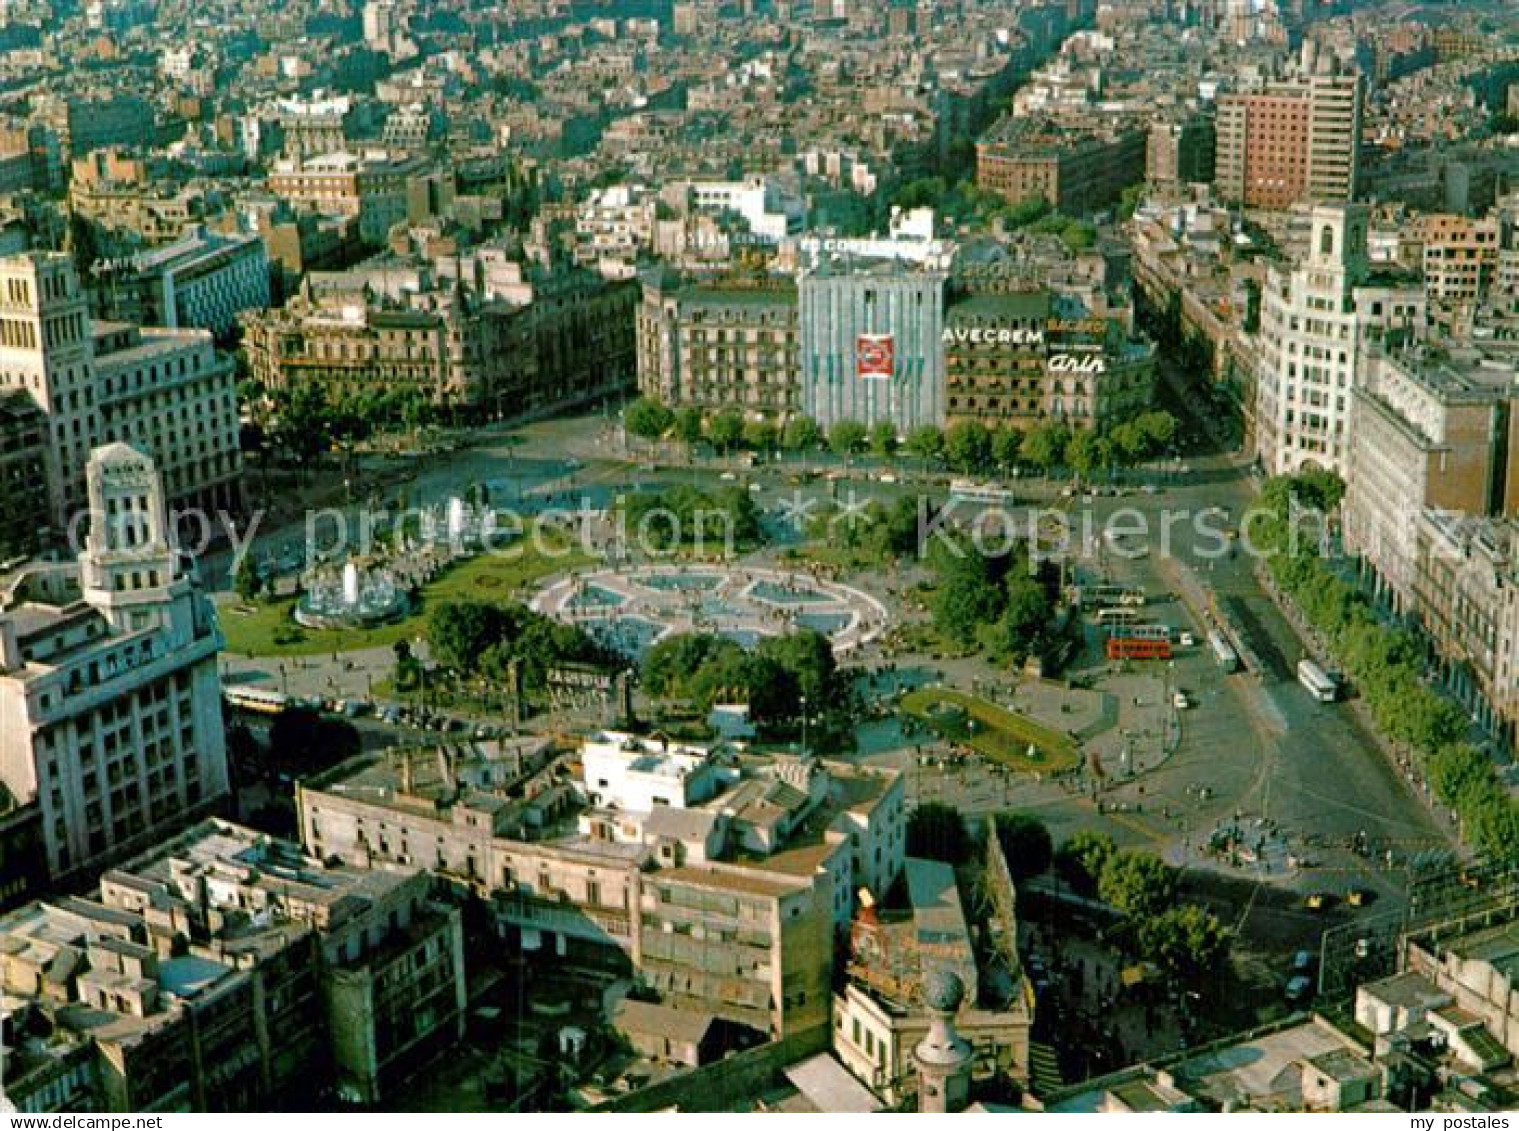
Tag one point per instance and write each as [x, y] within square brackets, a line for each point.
[787, 556]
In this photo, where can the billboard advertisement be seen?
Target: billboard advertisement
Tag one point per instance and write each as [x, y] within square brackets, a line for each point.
[875, 356]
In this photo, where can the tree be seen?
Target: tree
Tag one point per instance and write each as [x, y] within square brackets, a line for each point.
[688, 425]
[648, 418]
[883, 438]
[807, 657]
[1158, 429]
[846, 437]
[247, 581]
[1081, 452]
[1027, 211]
[1130, 444]
[1137, 883]
[936, 831]
[461, 631]
[1044, 446]
[801, 434]
[962, 604]
[303, 419]
[669, 665]
[1005, 445]
[1025, 842]
[926, 442]
[968, 446]
[1081, 859]
[725, 430]
[408, 668]
[761, 436]
[1186, 941]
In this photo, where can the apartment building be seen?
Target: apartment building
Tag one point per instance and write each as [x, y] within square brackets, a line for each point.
[167, 391]
[1425, 431]
[370, 187]
[721, 877]
[1073, 171]
[171, 393]
[1459, 257]
[225, 971]
[720, 345]
[110, 703]
[1466, 599]
[1290, 140]
[554, 340]
[1468, 976]
[1316, 318]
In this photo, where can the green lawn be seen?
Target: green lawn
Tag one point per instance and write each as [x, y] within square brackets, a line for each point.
[998, 734]
[270, 630]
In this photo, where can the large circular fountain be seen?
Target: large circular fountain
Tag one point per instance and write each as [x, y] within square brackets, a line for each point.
[350, 598]
[631, 610]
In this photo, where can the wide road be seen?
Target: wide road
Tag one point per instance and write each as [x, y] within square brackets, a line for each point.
[1315, 770]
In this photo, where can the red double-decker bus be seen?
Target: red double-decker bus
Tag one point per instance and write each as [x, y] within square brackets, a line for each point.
[1138, 648]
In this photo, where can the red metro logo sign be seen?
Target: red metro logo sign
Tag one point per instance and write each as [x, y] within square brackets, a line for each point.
[875, 356]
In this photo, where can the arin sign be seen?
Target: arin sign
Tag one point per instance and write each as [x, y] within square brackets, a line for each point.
[992, 335]
[1068, 363]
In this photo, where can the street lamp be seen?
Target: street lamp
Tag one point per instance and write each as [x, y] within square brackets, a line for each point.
[803, 701]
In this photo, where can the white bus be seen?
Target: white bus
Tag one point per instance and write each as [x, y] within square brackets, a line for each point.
[1318, 682]
[1223, 652]
[972, 492]
[256, 699]
[1108, 617]
[1107, 596]
[1143, 631]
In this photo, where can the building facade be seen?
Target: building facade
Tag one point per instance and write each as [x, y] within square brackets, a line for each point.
[1424, 433]
[572, 340]
[25, 457]
[1316, 318]
[871, 343]
[721, 346]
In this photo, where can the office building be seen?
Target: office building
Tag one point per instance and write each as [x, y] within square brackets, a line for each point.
[167, 391]
[1316, 318]
[871, 341]
[203, 280]
[110, 704]
[1425, 432]
[1290, 140]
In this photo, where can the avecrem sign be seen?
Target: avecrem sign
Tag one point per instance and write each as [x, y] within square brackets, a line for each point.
[991, 336]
